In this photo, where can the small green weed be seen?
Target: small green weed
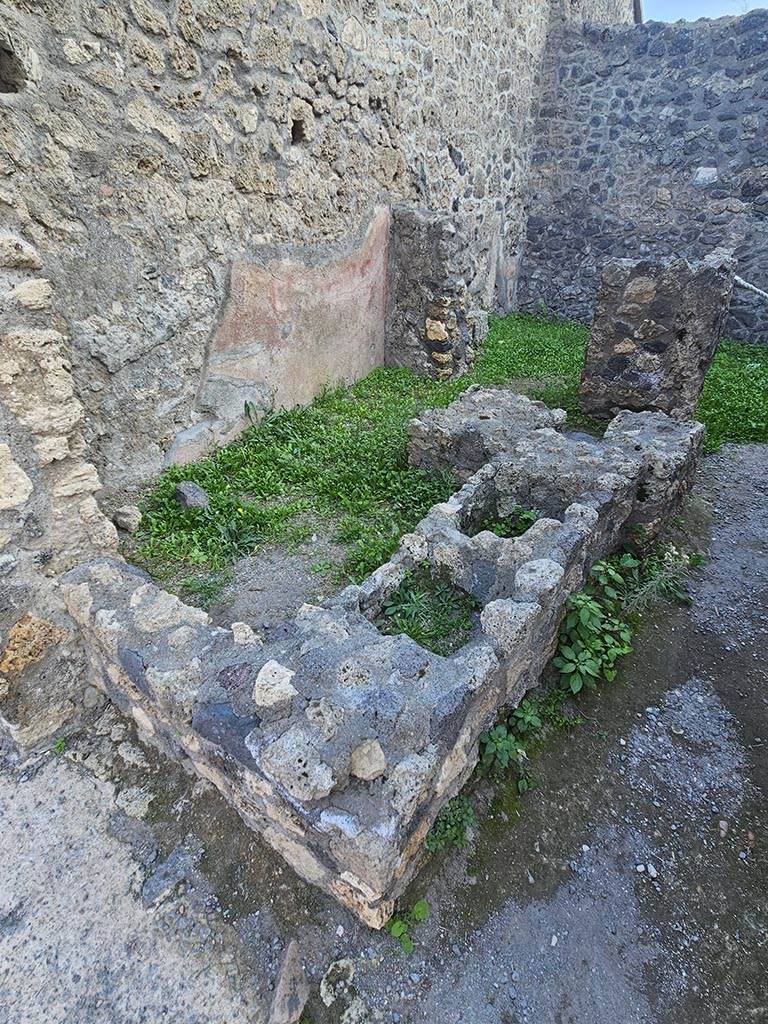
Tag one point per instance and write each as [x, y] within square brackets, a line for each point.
[452, 824]
[400, 927]
[595, 632]
[526, 717]
[550, 708]
[591, 642]
[499, 748]
[430, 610]
[663, 573]
[60, 745]
[513, 525]
[504, 746]
[597, 629]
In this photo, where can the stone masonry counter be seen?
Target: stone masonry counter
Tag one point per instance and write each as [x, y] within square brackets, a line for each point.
[340, 744]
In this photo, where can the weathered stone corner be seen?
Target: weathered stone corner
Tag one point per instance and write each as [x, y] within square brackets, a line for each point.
[430, 326]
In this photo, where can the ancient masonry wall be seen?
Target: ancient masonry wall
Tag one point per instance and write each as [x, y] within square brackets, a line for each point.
[651, 141]
[146, 147]
[173, 172]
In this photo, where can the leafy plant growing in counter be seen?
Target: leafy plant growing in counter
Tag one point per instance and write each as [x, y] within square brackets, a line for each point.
[513, 525]
[430, 610]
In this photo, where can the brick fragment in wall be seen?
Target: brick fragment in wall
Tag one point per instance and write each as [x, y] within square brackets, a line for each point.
[41, 667]
[27, 642]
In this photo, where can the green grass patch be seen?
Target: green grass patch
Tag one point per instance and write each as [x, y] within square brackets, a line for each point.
[341, 463]
[546, 356]
[513, 525]
[430, 610]
[734, 402]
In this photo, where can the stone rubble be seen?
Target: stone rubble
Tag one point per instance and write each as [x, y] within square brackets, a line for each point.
[292, 990]
[191, 495]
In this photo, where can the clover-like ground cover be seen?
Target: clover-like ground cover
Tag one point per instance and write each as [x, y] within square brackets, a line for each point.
[340, 465]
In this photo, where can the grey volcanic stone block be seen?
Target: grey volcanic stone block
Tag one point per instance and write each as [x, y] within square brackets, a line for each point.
[191, 495]
[480, 424]
[669, 451]
[656, 329]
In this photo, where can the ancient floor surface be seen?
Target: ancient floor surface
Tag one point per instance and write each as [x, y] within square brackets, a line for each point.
[630, 886]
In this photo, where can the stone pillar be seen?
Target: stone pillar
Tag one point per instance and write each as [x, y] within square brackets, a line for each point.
[430, 327]
[656, 328]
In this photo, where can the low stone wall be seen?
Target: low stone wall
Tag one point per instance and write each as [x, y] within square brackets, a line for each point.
[340, 744]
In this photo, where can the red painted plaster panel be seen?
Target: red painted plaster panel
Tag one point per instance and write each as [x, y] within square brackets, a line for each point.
[297, 328]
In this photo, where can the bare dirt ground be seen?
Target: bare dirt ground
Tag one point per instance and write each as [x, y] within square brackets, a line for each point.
[631, 885]
[270, 586]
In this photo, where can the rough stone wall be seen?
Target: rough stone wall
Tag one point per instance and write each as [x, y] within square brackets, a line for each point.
[49, 519]
[599, 12]
[155, 143]
[429, 326]
[651, 141]
[151, 144]
[150, 153]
